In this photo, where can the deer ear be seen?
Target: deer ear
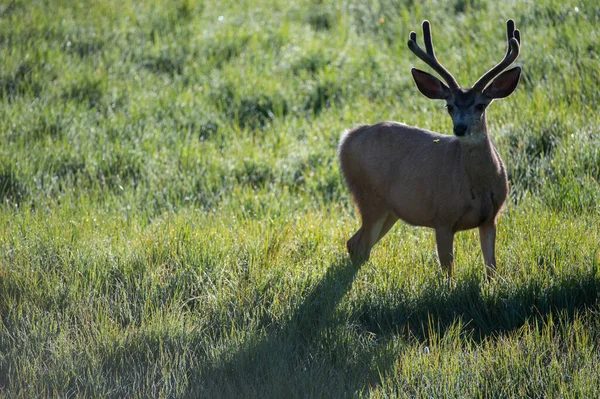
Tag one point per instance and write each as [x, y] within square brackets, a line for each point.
[430, 86]
[504, 84]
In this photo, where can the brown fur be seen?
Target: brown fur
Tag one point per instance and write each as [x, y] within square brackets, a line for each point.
[447, 183]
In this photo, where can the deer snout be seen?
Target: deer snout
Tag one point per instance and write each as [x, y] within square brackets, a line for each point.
[460, 129]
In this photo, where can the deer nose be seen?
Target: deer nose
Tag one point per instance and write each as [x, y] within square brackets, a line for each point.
[460, 129]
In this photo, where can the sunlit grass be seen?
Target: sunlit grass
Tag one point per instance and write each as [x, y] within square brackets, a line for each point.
[173, 219]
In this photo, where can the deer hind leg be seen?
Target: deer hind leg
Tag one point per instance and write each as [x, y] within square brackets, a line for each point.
[387, 225]
[376, 221]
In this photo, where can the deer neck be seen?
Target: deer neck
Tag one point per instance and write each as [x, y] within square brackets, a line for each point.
[481, 159]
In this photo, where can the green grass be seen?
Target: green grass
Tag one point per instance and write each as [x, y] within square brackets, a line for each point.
[172, 218]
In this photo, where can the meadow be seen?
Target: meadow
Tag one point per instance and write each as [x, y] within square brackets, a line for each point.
[173, 220]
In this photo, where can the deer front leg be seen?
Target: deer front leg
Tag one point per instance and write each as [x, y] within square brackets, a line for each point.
[444, 239]
[487, 237]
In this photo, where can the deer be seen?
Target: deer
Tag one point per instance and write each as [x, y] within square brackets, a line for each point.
[449, 183]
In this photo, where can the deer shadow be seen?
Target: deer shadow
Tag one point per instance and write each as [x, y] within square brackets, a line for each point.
[306, 357]
[305, 347]
[483, 314]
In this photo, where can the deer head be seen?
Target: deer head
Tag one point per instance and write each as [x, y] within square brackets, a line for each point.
[467, 106]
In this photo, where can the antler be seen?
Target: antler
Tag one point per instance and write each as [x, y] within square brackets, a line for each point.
[429, 56]
[513, 37]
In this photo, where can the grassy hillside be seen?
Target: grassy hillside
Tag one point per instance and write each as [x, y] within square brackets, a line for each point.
[172, 218]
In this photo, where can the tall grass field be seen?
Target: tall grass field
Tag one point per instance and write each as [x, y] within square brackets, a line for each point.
[173, 219]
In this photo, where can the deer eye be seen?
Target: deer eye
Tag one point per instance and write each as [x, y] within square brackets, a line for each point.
[480, 107]
[450, 108]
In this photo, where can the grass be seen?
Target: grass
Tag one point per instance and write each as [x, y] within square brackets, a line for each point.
[173, 219]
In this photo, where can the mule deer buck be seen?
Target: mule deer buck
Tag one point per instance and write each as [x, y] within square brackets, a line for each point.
[448, 183]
